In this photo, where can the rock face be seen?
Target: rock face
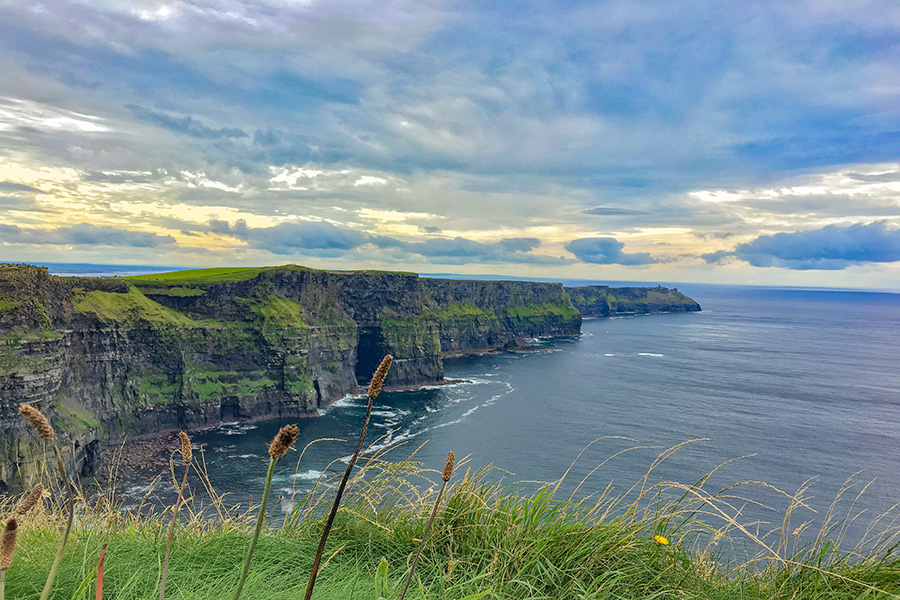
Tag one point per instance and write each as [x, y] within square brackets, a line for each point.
[105, 358]
[604, 301]
[108, 357]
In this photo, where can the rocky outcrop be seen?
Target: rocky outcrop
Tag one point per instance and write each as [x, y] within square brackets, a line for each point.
[604, 301]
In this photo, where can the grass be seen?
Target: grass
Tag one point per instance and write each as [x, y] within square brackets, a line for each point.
[130, 307]
[212, 274]
[488, 540]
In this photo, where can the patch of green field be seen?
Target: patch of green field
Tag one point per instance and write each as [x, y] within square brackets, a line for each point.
[215, 273]
[130, 307]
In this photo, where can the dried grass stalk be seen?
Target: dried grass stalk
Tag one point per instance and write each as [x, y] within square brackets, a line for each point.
[445, 477]
[29, 501]
[38, 421]
[374, 389]
[186, 456]
[186, 453]
[378, 378]
[8, 544]
[283, 441]
[448, 467]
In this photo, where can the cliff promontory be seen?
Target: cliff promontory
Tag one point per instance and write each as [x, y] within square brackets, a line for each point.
[605, 301]
[108, 357]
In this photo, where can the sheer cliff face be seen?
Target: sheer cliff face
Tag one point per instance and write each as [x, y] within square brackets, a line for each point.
[108, 357]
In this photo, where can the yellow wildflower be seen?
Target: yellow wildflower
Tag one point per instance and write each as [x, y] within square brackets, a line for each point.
[661, 540]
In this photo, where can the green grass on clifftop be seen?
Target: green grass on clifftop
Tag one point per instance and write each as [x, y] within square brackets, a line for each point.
[212, 274]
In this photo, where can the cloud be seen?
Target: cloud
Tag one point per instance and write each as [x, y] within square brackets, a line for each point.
[613, 211]
[186, 125]
[606, 251]
[830, 248]
[9, 186]
[84, 234]
[320, 238]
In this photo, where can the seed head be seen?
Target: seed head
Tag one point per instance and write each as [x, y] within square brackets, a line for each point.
[380, 374]
[37, 420]
[28, 502]
[8, 544]
[185, 447]
[283, 441]
[448, 466]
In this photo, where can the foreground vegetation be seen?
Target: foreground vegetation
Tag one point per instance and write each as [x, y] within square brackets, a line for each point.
[481, 540]
[487, 541]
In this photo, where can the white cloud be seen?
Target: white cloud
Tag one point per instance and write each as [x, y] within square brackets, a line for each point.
[15, 112]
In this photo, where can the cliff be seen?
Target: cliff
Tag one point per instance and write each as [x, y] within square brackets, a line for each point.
[604, 301]
[108, 357]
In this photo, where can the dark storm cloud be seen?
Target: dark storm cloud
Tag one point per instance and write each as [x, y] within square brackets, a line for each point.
[607, 251]
[829, 248]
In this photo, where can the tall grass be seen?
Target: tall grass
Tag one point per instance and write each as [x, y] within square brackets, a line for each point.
[488, 539]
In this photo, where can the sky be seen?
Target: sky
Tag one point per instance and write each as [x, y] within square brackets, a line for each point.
[679, 141]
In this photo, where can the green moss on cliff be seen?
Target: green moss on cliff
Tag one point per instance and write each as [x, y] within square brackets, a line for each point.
[214, 385]
[11, 361]
[73, 416]
[177, 291]
[130, 307]
[411, 337]
[456, 310]
[154, 388]
[6, 305]
[277, 311]
[296, 379]
[542, 309]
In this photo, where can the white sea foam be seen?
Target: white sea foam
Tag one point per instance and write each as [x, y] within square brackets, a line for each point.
[310, 474]
[649, 354]
[235, 428]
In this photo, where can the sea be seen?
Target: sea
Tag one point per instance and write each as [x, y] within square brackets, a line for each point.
[797, 390]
